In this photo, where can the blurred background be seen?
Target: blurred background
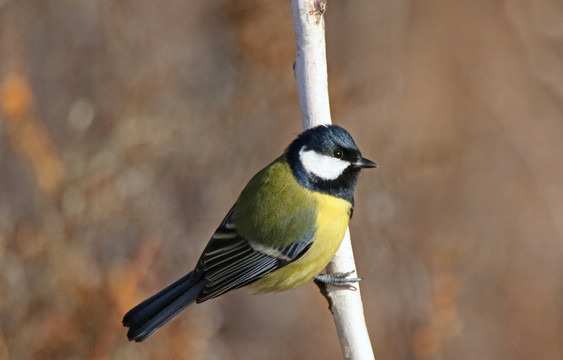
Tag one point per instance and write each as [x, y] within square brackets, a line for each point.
[128, 129]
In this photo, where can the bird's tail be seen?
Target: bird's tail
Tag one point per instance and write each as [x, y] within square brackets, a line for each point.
[150, 315]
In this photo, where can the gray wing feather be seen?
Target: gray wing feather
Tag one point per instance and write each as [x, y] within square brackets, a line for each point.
[230, 261]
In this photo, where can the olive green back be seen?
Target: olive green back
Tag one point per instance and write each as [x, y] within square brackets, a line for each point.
[273, 209]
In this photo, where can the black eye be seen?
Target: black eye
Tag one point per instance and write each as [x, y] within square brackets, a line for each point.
[338, 154]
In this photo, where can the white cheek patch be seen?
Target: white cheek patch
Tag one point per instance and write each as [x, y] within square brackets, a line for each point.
[324, 166]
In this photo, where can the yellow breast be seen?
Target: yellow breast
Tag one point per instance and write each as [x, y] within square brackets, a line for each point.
[332, 220]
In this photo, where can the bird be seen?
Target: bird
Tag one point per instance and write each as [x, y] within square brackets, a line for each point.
[283, 230]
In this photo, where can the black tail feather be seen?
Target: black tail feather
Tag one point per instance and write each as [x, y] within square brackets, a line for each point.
[150, 315]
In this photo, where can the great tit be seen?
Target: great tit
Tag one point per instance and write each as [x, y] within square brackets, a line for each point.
[283, 230]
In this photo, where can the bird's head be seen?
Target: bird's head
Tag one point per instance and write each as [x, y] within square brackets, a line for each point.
[326, 159]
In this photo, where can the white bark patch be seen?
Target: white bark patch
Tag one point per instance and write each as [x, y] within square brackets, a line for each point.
[324, 166]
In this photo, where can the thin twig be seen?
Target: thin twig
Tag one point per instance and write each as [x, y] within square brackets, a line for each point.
[312, 83]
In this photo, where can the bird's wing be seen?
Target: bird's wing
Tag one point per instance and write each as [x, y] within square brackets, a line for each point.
[231, 261]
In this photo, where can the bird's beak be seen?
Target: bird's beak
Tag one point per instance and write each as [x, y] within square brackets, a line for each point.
[365, 163]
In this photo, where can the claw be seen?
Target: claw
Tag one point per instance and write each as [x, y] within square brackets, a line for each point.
[343, 274]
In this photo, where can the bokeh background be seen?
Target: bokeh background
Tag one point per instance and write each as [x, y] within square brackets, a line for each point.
[128, 128]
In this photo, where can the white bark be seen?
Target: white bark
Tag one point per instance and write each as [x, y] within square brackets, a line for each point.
[312, 83]
[310, 63]
[347, 308]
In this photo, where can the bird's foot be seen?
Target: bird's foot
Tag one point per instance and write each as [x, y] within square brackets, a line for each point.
[338, 279]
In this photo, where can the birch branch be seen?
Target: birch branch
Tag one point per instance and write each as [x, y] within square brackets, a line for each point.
[312, 83]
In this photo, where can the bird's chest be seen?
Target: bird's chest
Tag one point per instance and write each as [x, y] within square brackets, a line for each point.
[331, 222]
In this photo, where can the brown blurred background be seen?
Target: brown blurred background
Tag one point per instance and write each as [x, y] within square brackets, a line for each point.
[128, 128]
